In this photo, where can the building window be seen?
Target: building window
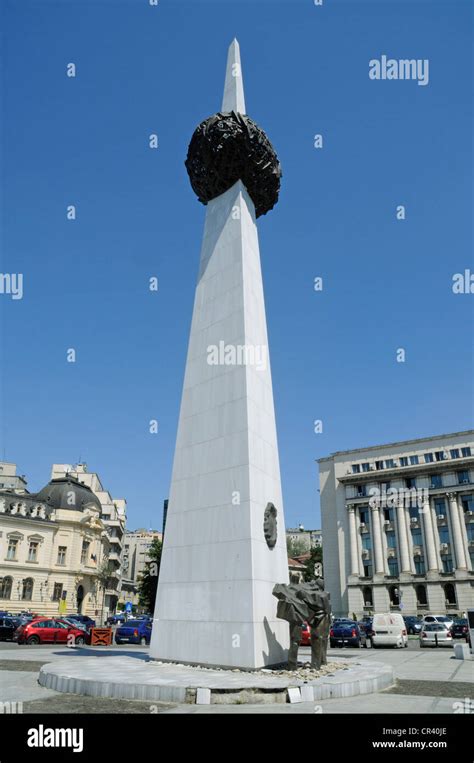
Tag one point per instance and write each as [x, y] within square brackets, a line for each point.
[410, 483]
[360, 490]
[388, 515]
[467, 502]
[414, 460]
[33, 551]
[436, 481]
[443, 534]
[428, 458]
[84, 552]
[379, 464]
[420, 568]
[450, 593]
[421, 597]
[389, 463]
[440, 455]
[447, 562]
[391, 541]
[368, 571]
[366, 467]
[367, 596]
[27, 590]
[394, 597]
[414, 512]
[366, 542]
[57, 591]
[384, 486]
[440, 507]
[393, 567]
[6, 588]
[465, 452]
[404, 461]
[416, 536]
[355, 468]
[470, 531]
[62, 555]
[363, 515]
[12, 548]
[454, 453]
[463, 477]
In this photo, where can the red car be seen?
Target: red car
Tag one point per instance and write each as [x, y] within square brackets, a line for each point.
[44, 630]
[305, 635]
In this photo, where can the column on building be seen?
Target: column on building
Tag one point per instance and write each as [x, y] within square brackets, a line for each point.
[377, 541]
[384, 545]
[405, 565]
[359, 546]
[430, 543]
[434, 522]
[353, 540]
[457, 534]
[409, 537]
[464, 533]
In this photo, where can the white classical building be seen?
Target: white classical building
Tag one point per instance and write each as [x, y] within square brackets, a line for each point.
[398, 526]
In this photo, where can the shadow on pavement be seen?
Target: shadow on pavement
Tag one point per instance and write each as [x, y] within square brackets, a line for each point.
[81, 651]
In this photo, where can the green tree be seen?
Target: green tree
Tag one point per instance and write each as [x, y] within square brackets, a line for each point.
[148, 581]
[295, 547]
[105, 580]
[315, 558]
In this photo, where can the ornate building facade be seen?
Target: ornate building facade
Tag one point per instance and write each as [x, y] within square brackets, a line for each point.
[398, 526]
[54, 546]
[113, 516]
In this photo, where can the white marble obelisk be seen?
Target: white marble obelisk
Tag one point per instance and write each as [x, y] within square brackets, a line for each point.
[214, 600]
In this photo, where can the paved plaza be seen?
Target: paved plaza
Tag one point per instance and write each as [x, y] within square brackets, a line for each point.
[426, 681]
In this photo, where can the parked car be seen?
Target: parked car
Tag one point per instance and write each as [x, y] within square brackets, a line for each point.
[388, 629]
[26, 618]
[8, 626]
[49, 630]
[460, 628]
[435, 634]
[134, 632]
[443, 619]
[305, 635]
[347, 632]
[75, 623]
[115, 619]
[84, 619]
[413, 624]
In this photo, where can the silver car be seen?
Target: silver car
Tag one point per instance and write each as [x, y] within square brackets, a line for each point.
[443, 619]
[435, 634]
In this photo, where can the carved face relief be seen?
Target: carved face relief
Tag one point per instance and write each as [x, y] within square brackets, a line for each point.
[270, 525]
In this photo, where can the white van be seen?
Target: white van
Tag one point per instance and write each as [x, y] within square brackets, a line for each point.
[389, 629]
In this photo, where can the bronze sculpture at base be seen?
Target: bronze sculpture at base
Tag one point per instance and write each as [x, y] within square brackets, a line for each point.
[305, 602]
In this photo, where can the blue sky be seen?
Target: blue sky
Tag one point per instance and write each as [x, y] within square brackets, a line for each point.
[387, 283]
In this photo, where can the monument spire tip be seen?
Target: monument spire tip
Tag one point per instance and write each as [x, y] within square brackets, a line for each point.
[234, 99]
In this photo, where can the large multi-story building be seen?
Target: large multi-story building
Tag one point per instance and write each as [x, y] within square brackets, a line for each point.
[398, 526]
[136, 548]
[112, 514]
[306, 539]
[9, 479]
[53, 545]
